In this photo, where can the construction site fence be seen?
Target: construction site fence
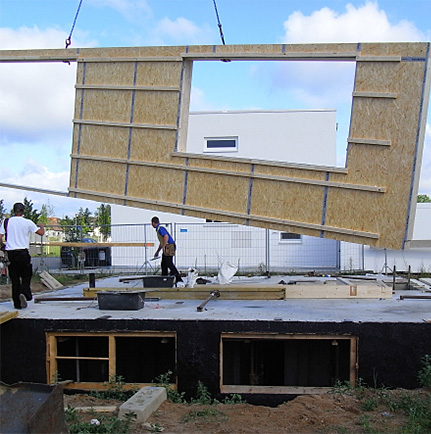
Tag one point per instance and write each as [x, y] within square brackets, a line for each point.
[201, 246]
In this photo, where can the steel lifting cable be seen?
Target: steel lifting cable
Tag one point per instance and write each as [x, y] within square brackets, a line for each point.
[69, 39]
[218, 22]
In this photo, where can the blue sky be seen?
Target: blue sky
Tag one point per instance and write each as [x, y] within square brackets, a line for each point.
[36, 121]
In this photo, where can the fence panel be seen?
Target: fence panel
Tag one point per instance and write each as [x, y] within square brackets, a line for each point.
[203, 246]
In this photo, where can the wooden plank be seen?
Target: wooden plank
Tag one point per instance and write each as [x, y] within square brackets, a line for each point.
[338, 292]
[374, 95]
[91, 245]
[6, 316]
[96, 409]
[262, 292]
[50, 281]
[227, 292]
[357, 141]
[92, 292]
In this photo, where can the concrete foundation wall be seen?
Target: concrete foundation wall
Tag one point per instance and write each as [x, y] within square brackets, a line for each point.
[389, 354]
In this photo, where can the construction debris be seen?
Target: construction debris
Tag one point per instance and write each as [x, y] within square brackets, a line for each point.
[49, 281]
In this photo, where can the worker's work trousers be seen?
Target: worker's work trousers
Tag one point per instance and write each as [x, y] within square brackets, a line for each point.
[20, 273]
[168, 265]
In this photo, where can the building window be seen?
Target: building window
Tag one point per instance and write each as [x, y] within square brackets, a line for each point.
[286, 363]
[289, 237]
[221, 144]
[91, 359]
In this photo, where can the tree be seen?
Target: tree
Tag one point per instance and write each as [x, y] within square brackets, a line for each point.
[46, 211]
[78, 226]
[422, 198]
[29, 212]
[103, 220]
[2, 210]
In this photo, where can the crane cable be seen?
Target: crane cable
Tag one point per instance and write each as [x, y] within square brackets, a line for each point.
[218, 23]
[69, 39]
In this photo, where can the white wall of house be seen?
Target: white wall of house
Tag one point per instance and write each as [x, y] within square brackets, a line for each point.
[297, 136]
[205, 245]
[418, 258]
[300, 136]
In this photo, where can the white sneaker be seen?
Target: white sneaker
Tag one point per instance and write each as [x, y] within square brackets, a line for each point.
[23, 301]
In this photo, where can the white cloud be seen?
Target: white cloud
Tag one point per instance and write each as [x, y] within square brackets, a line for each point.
[36, 99]
[132, 10]
[182, 31]
[37, 175]
[366, 23]
[357, 24]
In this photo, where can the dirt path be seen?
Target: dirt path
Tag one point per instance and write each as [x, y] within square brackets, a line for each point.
[331, 413]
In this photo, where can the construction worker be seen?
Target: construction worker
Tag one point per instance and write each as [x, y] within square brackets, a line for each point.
[168, 247]
[16, 232]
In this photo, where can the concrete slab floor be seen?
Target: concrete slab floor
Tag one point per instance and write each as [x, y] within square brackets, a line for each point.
[292, 310]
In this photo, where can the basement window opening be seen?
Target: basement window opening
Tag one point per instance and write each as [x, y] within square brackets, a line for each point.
[91, 359]
[219, 144]
[286, 363]
[290, 237]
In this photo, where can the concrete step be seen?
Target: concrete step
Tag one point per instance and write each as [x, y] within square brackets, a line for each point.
[144, 402]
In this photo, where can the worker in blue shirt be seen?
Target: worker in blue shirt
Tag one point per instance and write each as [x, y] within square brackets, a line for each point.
[168, 247]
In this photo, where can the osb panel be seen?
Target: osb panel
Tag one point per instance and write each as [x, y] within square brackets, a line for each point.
[129, 52]
[378, 76]
[221, 165]
[391, 168]
[342, 207]
[394, 49]
[216, 217]
[152, 145]
[156, 184]
[107, 105]
[286, 201]
[92, 176]
[107, 74]
[159, 74]
[100, 198]
[110, 141]
[215, 191]
[287, 172]
[156, 108]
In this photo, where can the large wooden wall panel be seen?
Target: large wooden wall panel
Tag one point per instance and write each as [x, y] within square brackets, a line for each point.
[159, 74]
[156, 184]
[156, 108]
[130, 131]
[107, 106]
[217, 192]
[106, 73]
[284, 201]
[152, 145]
[101, 177]
[112, 142]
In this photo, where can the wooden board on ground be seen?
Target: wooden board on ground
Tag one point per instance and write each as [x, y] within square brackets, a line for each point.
[262, 292]
[227, 292]
[6, 316]
[338, 291]
[49, 281]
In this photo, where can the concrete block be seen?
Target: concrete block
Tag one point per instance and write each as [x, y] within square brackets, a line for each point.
[144, 402]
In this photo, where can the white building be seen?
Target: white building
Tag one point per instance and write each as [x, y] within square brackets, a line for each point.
[267, 135]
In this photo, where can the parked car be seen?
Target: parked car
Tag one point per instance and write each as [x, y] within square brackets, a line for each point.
[95, 256]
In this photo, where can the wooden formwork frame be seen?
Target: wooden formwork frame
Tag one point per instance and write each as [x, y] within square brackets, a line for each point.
[52, 357]
[297, 390]
[130, 130]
